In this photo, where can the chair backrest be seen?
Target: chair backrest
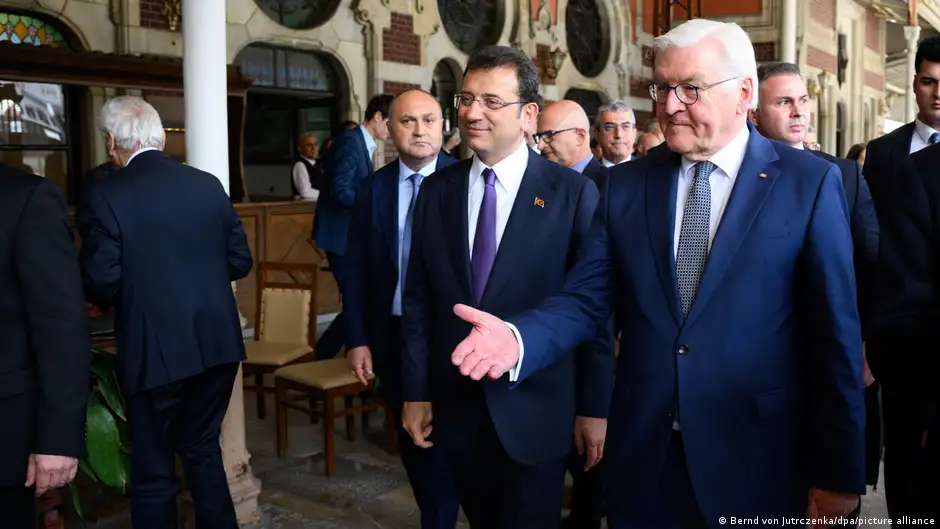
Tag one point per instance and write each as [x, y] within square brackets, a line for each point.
[287, 294]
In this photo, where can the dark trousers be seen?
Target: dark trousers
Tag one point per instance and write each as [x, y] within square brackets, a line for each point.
[587, 494]
[334, 337]
[673, 506]
[428, 469]
[911, 472]
[18, 506]
[181, 418]
[497, 492]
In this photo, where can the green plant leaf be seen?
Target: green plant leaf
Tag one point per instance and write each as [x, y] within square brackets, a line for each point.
[104, 448]
[77, 503]
[85, 467]
[102, 366]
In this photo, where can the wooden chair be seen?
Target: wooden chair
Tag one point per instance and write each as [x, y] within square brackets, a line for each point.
[326, 381]
[285, 324]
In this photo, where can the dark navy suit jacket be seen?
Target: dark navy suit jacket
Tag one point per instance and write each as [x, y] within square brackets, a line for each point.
[348, 163]
[372, 272]
[547, 226]
[765, 373]
[162, 243]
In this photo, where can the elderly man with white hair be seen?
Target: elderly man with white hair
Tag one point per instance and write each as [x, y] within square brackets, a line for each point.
[728, 260]
[161, 244]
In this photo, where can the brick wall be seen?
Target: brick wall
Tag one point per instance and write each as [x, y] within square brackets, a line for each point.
[151, 14]
[874, 80]
[765, 51]
[399, 42]
[818, 58]
[543, 61]
[823, 12]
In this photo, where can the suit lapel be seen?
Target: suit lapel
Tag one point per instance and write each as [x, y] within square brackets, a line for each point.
[661, 182]
[755, 180]
[525, 219]
[454, 217]
[387, 202]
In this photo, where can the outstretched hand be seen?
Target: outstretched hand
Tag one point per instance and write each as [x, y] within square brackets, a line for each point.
[490, 348]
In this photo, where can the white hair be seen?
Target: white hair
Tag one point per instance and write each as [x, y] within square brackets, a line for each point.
[737, 47]
[133, 122]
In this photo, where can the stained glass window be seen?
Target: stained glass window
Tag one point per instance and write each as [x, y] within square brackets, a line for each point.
[299, 14]
[587, 36]
[470, 23]
[24, 29]
[285, 68]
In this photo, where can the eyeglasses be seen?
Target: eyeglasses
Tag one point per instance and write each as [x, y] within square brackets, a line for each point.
[490, 102]
[609, 128]
[548, 135]
[687, 94]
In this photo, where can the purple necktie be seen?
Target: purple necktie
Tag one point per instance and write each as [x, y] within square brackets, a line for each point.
[484, 241]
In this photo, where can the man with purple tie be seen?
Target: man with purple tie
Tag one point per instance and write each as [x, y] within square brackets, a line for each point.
[506, 442]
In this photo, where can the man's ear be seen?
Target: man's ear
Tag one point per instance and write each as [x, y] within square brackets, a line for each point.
[752, 115]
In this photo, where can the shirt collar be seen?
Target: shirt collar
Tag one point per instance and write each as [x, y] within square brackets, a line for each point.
[580, 166]
[728, 159]
[924, 130]
[405, 172]
[370, 142]
[145, 149]
[508, 171]
[310, 160]
[607, 163]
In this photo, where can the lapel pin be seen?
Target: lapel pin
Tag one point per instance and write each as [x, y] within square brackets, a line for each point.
[539, 202]
[763, 175]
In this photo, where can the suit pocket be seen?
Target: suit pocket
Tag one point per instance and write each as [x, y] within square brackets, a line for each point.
[775, 402]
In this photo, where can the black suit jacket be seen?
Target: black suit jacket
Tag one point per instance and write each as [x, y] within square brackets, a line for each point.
[547, 225]
[372, 274]
[907, 319]
[863, 220]
[883, 156]
[45, 349]
[162, 242]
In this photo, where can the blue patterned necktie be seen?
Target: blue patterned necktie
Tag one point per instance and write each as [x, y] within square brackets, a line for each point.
[934, 138]
[415, 180]
[694, 235]
[484, 240]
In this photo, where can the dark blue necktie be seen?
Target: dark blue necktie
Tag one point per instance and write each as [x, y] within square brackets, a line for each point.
[406, 235]
[484, 240]
[934, 138]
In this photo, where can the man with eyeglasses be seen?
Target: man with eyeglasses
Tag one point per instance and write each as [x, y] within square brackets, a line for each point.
[506, 441]
[728, 260]
[563, 136]
[615, 130]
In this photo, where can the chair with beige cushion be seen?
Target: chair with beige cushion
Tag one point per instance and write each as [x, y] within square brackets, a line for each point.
[325, 380]
[285, 324]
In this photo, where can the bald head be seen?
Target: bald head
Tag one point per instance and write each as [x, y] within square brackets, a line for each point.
[416, 127]
[564, 135]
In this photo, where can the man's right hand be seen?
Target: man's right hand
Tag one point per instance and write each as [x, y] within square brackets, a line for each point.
[359, 360]
[50, 472]
[416, 418]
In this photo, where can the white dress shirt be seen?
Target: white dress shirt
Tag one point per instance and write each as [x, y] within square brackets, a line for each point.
[301, 179]
[509, 174]
[145, 149]
[404, 200]
[921, 136]
[607, 163]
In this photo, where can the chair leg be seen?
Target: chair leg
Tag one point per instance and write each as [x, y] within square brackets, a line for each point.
[329, 442]
[391, 435]
[280, 390]
[259, 396]
[350, 420]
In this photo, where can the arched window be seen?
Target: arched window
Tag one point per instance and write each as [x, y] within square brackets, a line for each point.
[299, 14]
[471, 24]
[589, 100]
[587, 35]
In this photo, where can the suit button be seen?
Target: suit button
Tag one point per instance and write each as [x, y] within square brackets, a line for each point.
[683, 349]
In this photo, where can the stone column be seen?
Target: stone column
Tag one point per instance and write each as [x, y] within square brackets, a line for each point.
[205, 94]
[788, 32]
[912, 35]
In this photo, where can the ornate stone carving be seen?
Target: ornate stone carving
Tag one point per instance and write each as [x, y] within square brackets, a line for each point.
[172, 11]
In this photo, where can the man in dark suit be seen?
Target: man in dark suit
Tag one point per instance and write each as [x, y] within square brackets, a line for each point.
[729, 257]
[907, 319]
[348, 163]
[161, 243]
[376, 261]
[563, 137]
[45, 350]
[507, 444]
[884, 154]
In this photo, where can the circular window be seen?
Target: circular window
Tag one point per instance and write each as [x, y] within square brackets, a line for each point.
[586, 32]
[299, 14]
[470, 23]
